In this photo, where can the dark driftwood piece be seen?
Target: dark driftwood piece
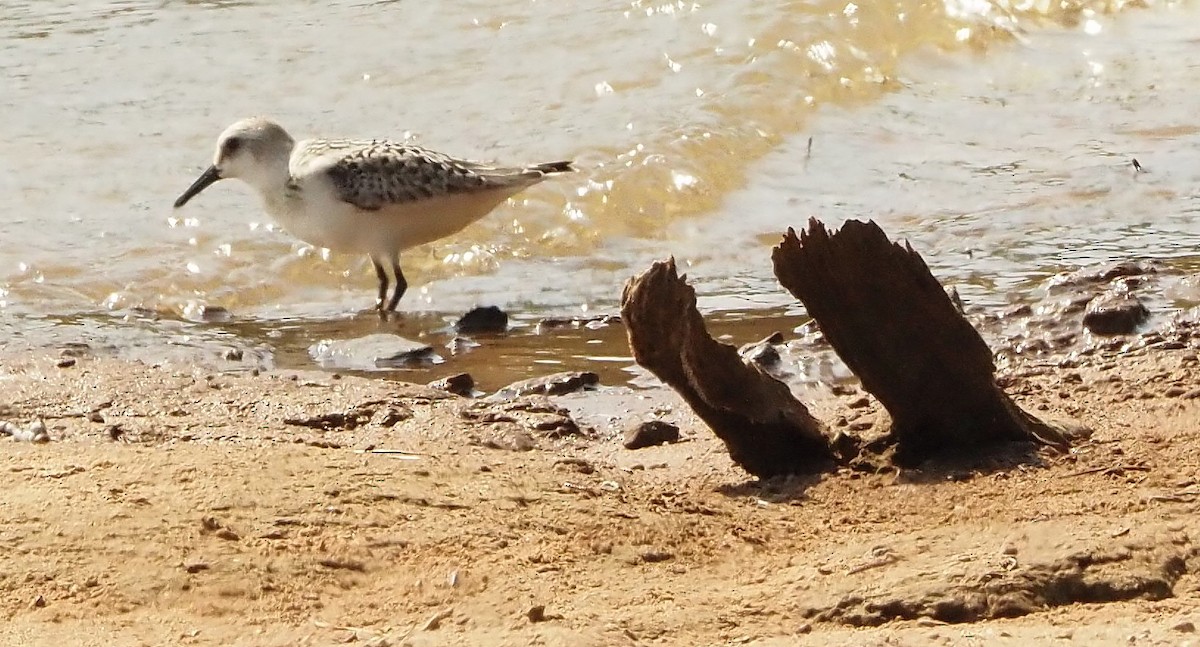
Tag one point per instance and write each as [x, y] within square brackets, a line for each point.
[894, 325]
[767, 431]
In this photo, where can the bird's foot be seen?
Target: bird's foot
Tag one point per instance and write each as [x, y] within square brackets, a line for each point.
[386, 314]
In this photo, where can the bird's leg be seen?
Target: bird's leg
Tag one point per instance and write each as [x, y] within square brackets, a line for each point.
[401, 285]
[383, 284]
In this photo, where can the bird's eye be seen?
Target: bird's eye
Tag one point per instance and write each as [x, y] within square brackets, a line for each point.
[232, 145]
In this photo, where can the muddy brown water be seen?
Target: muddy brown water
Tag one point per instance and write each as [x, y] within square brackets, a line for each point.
[998, 139]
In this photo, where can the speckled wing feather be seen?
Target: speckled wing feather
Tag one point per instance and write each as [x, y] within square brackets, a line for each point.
[374, 174]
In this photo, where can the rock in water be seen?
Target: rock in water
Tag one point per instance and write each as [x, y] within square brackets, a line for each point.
[1114, 313]
[763, 352]
[483, 320]
[461, 384]
[373, 352]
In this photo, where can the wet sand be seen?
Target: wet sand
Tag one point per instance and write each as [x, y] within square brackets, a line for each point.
[209, 508]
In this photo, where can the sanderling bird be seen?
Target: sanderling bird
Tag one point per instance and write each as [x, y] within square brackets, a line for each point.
[368, 196]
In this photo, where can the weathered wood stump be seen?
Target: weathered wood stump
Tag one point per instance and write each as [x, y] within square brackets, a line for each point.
[893, 324]
[766, 430]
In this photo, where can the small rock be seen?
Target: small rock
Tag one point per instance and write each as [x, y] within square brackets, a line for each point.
[461, 384]
[212, 525]
[372, 352]
[1103, 274]
[95, 416]
[1114, 313]
[763, 352]
[35, 433]
[1185, 627]
[536, 613]
[227, 534]
[206, 313]
[195, 567]
[655, 556]
[39, 602]
[66, 362]
[233, 354]
[489, 319]
[764, 355]
[554, 384]
[859, 403]
[650, 433]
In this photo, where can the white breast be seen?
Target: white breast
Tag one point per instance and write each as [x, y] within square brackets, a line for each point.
[315, 215]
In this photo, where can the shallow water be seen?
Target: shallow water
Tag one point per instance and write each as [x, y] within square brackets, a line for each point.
[997, 137]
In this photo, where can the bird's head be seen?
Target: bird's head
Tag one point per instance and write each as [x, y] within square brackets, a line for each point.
[254, 150]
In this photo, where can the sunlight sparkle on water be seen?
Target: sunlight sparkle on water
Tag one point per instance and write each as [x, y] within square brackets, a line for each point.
[823, 53]
[968, 8]
[851, 12]
[682, 180]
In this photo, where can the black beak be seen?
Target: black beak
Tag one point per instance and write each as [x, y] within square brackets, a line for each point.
[208, 177]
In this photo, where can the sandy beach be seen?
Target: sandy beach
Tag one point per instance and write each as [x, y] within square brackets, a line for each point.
[191, 508]
[227, 461]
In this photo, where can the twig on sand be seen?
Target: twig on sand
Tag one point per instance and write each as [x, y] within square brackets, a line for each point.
[397, 453]
[1112, 470]
[883, 557]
